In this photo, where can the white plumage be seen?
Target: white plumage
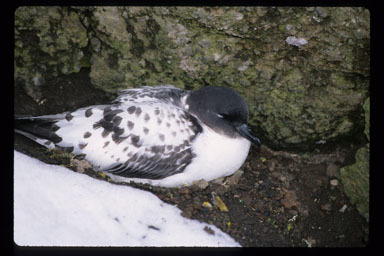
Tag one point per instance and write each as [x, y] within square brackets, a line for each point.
[160, 135]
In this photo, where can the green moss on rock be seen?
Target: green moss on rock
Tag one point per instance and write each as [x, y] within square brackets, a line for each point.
[48, 41]
[355, 179]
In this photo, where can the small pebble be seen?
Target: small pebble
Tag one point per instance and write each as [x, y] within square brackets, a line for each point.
[209, 230]
[271, 165]
[202, 184]
[219, 181]
[334, 182]
[184, 190]
[207, 205]
[80, 165]
[187, 212]
[332, 170]
[234, 179]
[342, 209]
[326, 207]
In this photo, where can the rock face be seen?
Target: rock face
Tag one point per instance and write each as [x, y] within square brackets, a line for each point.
[355, 177]
[303, 71]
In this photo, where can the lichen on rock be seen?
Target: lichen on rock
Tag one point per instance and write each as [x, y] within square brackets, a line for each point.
[48, 41]
[297, 95]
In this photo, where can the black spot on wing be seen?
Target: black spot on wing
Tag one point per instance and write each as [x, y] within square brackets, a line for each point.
[146, 117]
[68, 117]
[131, 109]
[106, 110]
[117, 120]
[130, 125]
[161, 137]
[108, 116]
[105, 124]
[96, 125]
[87, 135]
[88, 112]
[118, 139]
[138, 111]
[105, 133]
[110, 122]
[135, 140]
[82, 145]
[118, 131]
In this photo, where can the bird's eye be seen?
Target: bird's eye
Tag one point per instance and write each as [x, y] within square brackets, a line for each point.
[227, 117]
[223, 116]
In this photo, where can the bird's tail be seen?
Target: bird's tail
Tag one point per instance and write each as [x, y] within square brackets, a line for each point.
[40, 129]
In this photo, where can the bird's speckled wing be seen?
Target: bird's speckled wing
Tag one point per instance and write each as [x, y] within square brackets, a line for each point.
[140, 137]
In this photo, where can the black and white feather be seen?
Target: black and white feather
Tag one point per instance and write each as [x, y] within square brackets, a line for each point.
[160, 135]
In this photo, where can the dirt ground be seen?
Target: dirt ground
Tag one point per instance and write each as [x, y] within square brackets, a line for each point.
[277, 198]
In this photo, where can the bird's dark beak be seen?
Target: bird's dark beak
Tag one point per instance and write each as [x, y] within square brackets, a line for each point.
[246, 132]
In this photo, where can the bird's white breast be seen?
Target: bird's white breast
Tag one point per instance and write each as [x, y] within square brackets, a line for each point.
[216, 156]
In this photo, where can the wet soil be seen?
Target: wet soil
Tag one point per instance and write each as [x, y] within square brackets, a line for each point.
[277, 199]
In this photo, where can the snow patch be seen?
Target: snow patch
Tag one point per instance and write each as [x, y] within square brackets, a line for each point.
[54, 206]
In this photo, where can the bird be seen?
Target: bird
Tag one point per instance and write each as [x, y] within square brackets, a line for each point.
[161, 135]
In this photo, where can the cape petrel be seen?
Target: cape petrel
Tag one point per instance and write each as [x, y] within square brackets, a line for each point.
[160, 135]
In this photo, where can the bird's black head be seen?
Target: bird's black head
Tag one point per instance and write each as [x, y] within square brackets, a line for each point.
[223, 110]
